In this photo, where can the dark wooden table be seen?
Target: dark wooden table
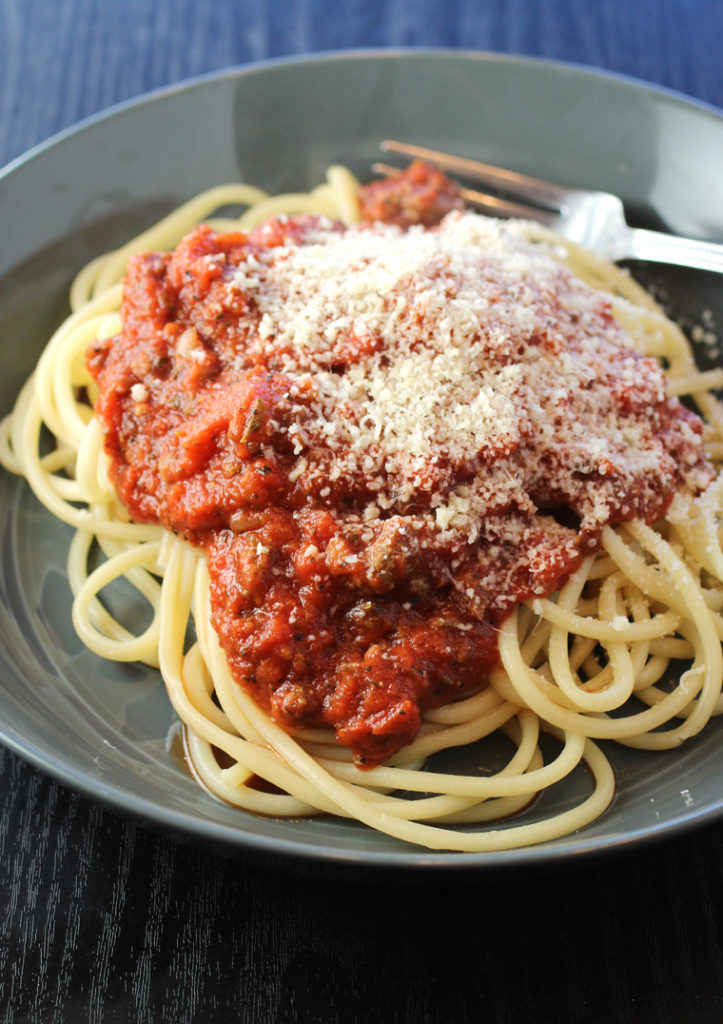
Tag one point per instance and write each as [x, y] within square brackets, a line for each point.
[102, 920]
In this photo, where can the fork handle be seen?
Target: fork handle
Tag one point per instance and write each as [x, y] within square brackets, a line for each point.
[641, 244]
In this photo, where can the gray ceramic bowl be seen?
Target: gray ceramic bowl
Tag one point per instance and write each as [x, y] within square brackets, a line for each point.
[107, 729]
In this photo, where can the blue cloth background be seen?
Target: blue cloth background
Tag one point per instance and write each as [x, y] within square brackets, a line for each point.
[62, 60]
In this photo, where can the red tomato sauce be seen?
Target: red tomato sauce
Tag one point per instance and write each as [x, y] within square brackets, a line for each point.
[421, 195]
[325, 617]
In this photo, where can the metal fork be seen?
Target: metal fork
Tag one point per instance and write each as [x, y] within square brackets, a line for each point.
[593, 219]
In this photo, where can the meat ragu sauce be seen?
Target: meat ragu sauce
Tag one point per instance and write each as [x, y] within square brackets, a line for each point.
[384, 438]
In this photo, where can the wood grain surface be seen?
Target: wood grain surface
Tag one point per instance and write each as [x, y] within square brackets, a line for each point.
[105, 921]
[102, 920]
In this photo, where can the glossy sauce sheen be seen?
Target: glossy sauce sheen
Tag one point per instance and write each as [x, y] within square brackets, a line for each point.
[343, 597]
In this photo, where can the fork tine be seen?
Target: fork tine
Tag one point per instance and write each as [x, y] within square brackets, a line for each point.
[533, 190]
[493, 206]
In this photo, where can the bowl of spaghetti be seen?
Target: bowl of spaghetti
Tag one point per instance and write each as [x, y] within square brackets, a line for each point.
[341, 522]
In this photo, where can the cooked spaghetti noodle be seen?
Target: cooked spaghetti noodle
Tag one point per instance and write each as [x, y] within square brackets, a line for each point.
[590, 662]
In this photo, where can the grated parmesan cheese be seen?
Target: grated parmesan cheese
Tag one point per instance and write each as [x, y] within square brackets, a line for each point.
[422, 358]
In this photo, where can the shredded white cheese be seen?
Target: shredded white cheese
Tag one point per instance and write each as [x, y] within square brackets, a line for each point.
[420, 358]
